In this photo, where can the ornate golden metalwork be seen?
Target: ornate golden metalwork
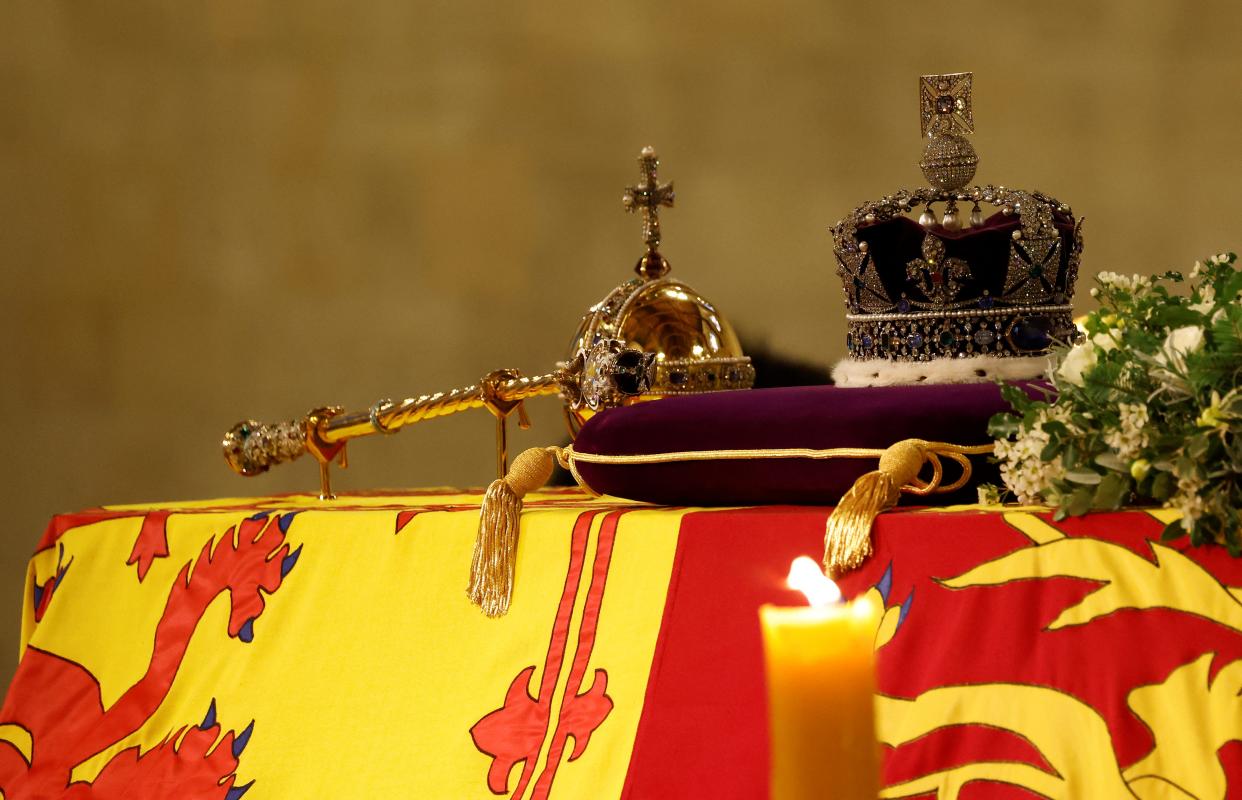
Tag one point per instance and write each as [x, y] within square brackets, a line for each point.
[599, 377]
[324, 451]
[941, 306]
[940, 278]
[647, 197]
[945, 103]
[945, 114]
[501, 406]
[695, 348]
[650, 337]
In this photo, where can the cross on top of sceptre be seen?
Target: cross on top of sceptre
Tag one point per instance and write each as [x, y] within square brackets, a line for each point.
[648, 196]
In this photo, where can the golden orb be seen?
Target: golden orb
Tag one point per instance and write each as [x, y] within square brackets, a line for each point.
[694, 346]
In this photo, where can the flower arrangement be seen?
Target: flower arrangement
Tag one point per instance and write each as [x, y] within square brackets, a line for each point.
[1146, 407]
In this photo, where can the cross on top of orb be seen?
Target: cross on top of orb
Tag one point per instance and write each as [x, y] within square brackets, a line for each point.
[944, 104]
[647, 197]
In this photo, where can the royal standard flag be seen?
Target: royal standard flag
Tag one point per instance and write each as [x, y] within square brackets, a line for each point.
[291, 648]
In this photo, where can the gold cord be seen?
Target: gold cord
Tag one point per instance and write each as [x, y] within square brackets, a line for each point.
[494, 561]
[721, 455]
[847, 541]
[847, 534]
[568, 458]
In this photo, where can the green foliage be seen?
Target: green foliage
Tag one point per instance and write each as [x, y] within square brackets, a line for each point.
[1147, 407]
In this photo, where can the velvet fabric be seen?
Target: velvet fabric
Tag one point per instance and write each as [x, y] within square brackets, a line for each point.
[818, 417]
[895, 242]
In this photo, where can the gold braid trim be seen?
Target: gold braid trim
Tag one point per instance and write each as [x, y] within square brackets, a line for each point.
[720, 455]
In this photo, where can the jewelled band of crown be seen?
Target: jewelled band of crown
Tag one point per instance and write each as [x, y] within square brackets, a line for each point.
[1012, 332]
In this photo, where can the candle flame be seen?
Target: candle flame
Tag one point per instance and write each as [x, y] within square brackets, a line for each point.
[806, 576]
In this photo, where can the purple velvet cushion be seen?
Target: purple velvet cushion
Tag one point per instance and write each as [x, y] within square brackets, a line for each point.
[818, 417]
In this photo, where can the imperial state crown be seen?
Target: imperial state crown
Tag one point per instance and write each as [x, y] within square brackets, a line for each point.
[947, 299]
[694, 346]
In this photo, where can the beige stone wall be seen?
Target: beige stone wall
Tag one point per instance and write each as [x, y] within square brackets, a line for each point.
[243, 208]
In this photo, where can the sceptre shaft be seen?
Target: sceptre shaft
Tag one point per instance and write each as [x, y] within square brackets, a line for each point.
[601, 378]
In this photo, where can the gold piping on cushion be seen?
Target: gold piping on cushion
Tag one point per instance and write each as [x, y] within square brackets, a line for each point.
[847, 537]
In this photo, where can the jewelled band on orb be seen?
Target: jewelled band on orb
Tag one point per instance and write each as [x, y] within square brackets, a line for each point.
[686, 376]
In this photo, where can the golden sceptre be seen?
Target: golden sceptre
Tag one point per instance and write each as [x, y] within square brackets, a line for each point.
[652, 336]
[602, 377]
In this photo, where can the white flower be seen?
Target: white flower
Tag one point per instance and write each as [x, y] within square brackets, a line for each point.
[1189, 500]
[1112, 279]
[1107, 340]
[1169, 365]
[1077, 362]
[1131, 437]
[1196, 270]
[1208, 295]
[1022, 465]
[1180, 343]
[1133, 283]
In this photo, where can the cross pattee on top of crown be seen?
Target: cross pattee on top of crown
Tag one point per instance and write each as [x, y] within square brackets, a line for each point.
[945, 104]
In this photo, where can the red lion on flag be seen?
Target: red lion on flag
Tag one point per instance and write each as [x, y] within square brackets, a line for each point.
[54, 719]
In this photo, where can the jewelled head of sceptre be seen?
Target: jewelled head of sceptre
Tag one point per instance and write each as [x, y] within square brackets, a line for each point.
[954, 298]
[695, 348]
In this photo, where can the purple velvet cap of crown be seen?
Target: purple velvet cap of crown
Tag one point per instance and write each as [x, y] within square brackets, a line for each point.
[818, 417]
[895, 243]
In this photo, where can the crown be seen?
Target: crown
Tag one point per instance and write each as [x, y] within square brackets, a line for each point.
[947, 300]
[695, 347]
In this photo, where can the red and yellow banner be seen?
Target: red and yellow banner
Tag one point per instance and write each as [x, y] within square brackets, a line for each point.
[286, 647]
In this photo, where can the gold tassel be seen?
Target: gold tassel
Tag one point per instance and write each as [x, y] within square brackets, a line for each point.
[847, 538]
[495, 549]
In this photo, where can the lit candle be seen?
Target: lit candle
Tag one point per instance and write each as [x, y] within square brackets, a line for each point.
[821, 687]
